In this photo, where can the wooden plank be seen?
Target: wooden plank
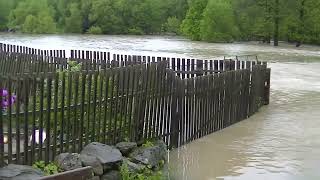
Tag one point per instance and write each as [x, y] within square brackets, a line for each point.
[75, 124]
[48, 120]
[80, 174]
[106, 78]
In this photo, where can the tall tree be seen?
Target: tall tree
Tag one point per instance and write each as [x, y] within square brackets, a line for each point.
[73, 22]
[32, 12]
[190, 26]
[217, 24]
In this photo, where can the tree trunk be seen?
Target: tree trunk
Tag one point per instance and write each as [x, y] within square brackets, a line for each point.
[301, 28]
[276, 24]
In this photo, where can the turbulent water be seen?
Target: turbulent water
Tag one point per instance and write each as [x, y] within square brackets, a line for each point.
[281, 142]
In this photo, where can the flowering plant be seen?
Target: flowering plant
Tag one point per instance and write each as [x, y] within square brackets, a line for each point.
[5, 100]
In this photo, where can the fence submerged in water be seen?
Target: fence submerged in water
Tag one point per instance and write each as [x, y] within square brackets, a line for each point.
[109, 98]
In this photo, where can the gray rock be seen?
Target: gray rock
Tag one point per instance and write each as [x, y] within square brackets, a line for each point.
[95, 178]
[19, 172]
[126, 147]
[150, 156]
[112, 175]
[107, 155]
[133, 167]
[68, 161]
[163, 149]
[93, 162]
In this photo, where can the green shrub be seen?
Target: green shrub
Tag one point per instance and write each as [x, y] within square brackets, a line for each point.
[95, 30]
[172, 25]
[48, 169]
[75, 66]
[146, 174]
[135, 31]
[148, 144]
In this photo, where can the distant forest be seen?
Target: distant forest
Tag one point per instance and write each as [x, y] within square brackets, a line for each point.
[207, 20]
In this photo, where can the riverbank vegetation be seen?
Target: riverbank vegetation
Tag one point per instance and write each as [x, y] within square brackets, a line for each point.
[207, 20]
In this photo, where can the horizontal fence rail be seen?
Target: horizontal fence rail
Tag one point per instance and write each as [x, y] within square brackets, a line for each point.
[49, 107]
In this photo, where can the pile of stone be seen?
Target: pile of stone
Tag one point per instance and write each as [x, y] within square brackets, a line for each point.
[105, 161]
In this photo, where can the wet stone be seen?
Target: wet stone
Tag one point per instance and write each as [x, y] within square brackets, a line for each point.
[68, 161]
[93, 162]
[107, 155]
[19, 172]
[126, 147]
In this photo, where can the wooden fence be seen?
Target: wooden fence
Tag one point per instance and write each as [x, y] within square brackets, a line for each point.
[98, 60]
[15, 63]
[32, 51]
[160, 99]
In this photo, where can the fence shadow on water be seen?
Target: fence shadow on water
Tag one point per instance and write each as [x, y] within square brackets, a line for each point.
[121, 98]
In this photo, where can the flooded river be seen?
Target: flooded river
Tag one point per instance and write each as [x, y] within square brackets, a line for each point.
[280, 142]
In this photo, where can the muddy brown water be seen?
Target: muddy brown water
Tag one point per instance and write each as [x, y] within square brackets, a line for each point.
[280, 142]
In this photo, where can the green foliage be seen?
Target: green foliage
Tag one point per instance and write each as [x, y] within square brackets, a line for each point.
[48, 169]
[32, 16]
[209, 20]
[190, 26]
[148, 144]
[75, 66]
[29, 24]
[73, 22]
[135, 31]
[95, 30]
[172, 25]
[217, 24]
[145, 174]
[5, 9]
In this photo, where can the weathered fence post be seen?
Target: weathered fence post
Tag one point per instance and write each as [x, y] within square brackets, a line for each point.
[175, 113]
[227, 65]
[267, 87]
[232, 65]
[199, 70]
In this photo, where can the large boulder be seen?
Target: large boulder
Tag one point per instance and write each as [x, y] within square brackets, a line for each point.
[93, 162]
[68, 161]
[107, 155]
[150, 156]
[126, 147]
[112, 175]
[19, 172]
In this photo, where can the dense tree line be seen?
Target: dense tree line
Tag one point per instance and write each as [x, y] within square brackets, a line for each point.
[229, 20]
[208, 20]
[92, 16]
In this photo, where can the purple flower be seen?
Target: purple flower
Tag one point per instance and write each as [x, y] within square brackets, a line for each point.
[5, 100]
[4, 103]
[13, 99]
[4, 92]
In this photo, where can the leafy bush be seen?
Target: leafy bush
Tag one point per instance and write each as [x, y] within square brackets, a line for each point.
[145, 174]
[135, 31]
[48, 169]
[75, 66]
[148, 144]
[95, 30]
[173, 25]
